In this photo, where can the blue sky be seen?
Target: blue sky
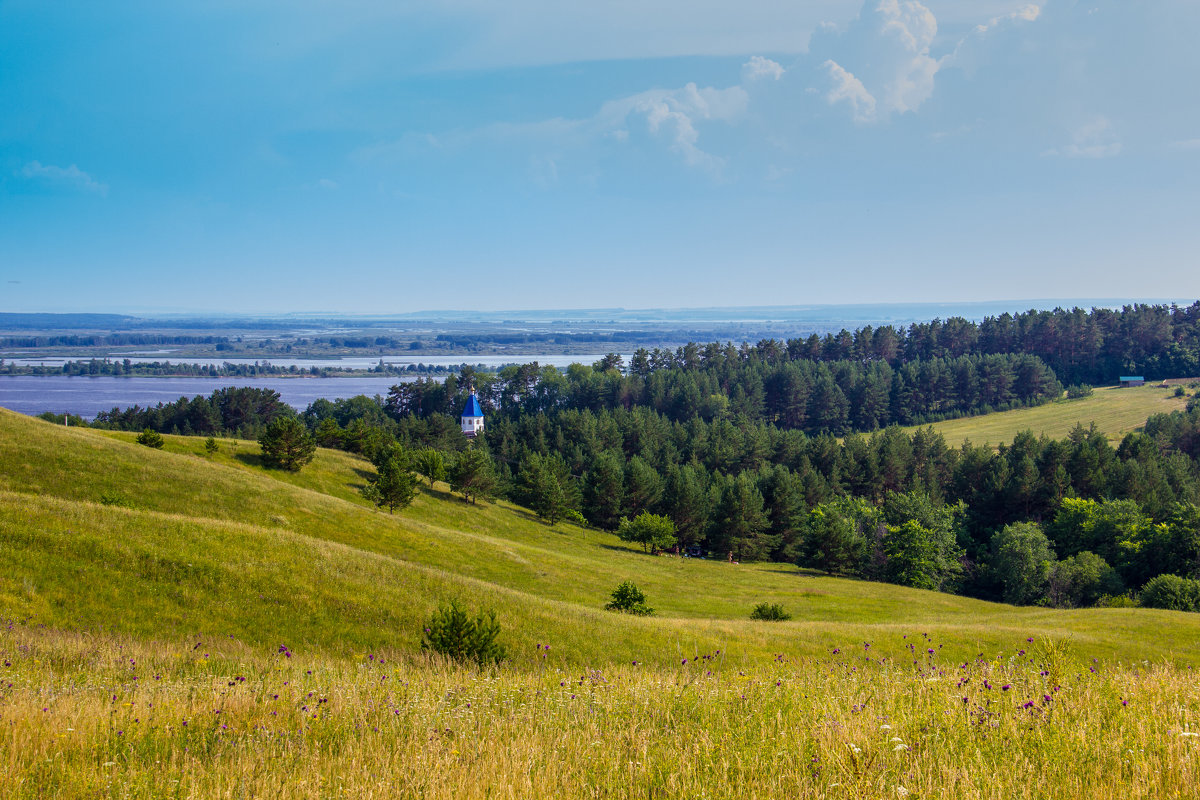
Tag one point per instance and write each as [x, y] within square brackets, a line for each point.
[366, 156]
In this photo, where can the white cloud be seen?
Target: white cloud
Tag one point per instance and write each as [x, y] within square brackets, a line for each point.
[849, 88]
[909, 28]
[968, 52]
[889, 67]
[1186, 144]
[66, 176]
[1094, 139]
[1027, 13]
[884, 61]
[759, 67]
[673, 114]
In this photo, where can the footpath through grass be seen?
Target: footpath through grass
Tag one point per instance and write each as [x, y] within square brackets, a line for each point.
[1115, 411]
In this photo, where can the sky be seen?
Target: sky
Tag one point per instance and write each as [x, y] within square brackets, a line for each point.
[363, 156]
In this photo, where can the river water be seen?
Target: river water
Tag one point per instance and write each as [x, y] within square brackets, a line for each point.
[87, 396]
[345, 362]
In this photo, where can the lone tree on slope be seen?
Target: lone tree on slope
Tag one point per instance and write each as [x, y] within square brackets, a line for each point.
[287, 444]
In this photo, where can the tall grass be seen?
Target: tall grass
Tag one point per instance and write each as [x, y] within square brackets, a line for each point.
[87, 715]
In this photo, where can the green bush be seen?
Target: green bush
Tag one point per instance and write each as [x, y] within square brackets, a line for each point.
[572, 515]
[629, 599]
[451, 632]
[150, 438]
[1077, 390]
[771, 612]
[115, 498]
[210, 446]
[1171, 592]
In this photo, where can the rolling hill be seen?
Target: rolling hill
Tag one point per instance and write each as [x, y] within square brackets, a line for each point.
[99, 532]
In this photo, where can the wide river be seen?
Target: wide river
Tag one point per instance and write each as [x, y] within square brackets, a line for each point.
[86, 396]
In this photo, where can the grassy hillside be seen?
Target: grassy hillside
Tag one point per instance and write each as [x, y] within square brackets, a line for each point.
[1115, 411]
[223, 547]
[144, 596]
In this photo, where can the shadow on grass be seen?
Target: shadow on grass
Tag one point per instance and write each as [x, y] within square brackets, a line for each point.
[251, 459]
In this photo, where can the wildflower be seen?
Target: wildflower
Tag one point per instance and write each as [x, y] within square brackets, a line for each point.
[854, 749]
[1006, 687]
[900, 790]
[1189, 733]
[900, 747]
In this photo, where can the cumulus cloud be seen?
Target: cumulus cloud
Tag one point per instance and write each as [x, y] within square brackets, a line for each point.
[1094, 139]
[970, 50]
[71, 176]
[673, 114]
[758, 67]
[849, 88]
[1028, 13]
[887, 54]
[882, 63]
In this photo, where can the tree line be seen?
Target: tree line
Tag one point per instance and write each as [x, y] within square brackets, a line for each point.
[812, 396]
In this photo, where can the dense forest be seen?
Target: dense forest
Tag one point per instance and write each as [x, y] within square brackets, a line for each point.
[739, 447]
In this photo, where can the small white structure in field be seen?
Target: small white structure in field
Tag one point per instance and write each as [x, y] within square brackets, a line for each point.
[472, 417]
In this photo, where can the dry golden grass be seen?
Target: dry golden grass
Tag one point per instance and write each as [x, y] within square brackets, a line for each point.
[85, 715]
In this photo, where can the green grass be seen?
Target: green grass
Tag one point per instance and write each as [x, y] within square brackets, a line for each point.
[1115, 412]
[139, 654]
[221, 546]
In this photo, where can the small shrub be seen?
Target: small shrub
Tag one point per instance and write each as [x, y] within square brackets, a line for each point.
[1171, 592]
[1125, 600]
[150, 438]
[572, 515]
[771, 612]
[1179, 391]
[629, 599]
[210, 446]
[115, 498]
[1075, 391]
[455, 635]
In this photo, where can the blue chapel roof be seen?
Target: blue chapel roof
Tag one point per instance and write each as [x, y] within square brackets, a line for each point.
[473, 409]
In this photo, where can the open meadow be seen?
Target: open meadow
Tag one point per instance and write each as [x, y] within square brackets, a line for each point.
[1115, 412]
[178, 624]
